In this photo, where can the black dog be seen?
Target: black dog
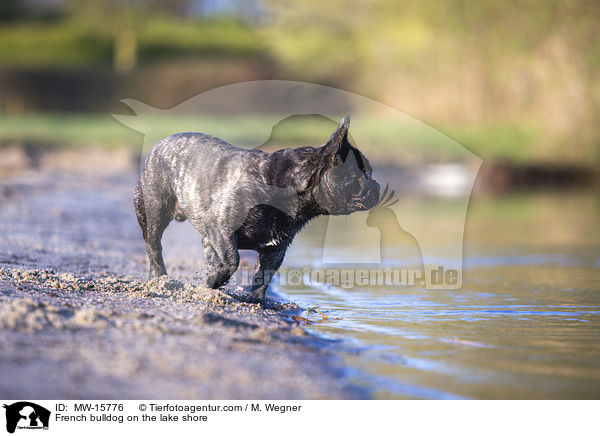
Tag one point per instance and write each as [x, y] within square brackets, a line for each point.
[247, 199]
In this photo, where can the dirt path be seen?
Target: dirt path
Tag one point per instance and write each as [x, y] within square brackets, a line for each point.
[78, 321]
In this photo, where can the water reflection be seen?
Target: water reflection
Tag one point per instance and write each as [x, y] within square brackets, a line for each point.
[525, 324]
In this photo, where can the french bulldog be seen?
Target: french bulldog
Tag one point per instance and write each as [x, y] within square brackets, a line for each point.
[247, 199]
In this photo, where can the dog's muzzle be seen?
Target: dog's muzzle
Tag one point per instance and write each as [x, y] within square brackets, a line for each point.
[373, 196]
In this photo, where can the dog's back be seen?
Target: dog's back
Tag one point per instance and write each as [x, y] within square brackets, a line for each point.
[247, 199]
[202, 178]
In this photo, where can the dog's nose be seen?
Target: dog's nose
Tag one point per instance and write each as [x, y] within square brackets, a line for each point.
[377, 188]
[374, 194]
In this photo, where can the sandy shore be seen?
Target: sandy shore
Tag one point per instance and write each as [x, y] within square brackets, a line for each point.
[77, 319]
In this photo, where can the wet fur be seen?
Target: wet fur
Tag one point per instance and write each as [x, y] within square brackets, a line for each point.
[247, 199]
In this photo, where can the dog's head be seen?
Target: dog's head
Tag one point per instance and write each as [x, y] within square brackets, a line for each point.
[345, 184]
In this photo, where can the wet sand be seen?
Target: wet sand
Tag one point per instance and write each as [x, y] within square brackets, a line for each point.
[78, 320]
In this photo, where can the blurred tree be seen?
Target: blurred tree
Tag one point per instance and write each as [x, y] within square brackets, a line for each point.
[528, 63]
[9, 10]
[124, 18]
[119, 17]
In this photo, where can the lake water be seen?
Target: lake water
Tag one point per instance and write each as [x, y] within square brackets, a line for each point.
[525, 324]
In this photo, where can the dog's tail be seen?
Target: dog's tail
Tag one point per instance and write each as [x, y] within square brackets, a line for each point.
[140, 208]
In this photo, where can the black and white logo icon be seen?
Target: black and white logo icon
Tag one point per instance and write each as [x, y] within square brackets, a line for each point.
[26, 415]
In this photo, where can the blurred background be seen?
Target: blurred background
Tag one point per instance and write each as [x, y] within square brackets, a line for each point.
[517, 83]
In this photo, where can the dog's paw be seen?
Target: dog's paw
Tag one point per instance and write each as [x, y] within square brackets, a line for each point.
[256, 300]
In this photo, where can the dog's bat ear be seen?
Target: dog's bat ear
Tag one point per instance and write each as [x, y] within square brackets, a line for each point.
[338, 142]
[345, 122]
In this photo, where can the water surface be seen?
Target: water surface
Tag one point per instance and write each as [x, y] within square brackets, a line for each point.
[525, 324]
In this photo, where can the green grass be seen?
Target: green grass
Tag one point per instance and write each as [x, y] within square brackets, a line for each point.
[381, 139]
[53, 45]
[66, 131]
[79, 43]
[514, 143]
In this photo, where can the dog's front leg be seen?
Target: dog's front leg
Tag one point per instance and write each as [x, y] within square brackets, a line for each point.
[222, 260]
[266, 266]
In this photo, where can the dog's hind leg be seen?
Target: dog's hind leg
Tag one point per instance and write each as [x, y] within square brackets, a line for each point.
[154, 211]
[140, 209]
